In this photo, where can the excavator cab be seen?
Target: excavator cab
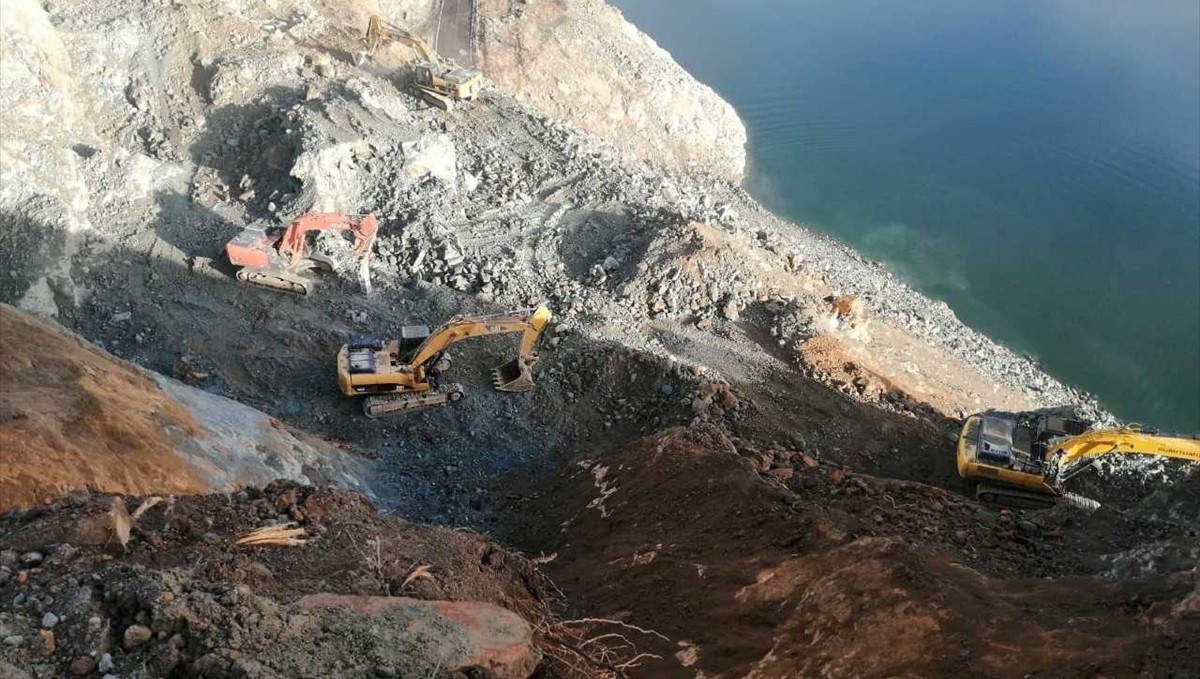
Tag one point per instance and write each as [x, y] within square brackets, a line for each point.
[411, 338]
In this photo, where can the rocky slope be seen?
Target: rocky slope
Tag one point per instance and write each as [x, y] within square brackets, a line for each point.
[581, 62]
[817, 565]
[363, 596]
[75, 418]
[818, 391]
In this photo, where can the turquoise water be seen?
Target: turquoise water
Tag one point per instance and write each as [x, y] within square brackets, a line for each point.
[1035, 163]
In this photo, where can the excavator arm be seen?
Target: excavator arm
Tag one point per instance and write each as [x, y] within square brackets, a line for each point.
[516, 375]
[529, 322]
[293, 245]
[378, 30]
[1076, 454]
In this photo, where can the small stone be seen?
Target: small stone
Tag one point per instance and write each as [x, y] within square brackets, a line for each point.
[730, 310]
[49, 644]
[106, 663]
[83, 665]
[136, 635]
[121, 317]
[8, 557]
[14, 640]
[49, 620]
[386, 671]
[1027, 526]
[64, 553]
[782, 475]
[32, 558]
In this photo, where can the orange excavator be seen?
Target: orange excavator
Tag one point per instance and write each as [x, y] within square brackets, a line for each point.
[278, 258]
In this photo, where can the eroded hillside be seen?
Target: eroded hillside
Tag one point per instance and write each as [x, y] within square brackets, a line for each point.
[736, 461]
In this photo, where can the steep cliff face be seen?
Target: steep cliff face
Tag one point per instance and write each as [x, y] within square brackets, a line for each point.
[74, 417]
[584, 63]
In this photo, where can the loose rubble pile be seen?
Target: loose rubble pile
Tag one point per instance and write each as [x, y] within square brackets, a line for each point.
[818, 563]
[792, 503]
[175, 597]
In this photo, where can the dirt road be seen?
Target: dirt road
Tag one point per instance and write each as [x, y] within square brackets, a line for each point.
[452, 38]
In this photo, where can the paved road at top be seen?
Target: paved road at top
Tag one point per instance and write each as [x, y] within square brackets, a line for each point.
[452, 38]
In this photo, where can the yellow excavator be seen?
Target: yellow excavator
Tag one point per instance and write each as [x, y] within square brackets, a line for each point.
[1023, 459]
[410, 372]
[439, 81]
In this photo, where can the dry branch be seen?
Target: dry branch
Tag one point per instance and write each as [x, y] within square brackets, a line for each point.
[284, 535]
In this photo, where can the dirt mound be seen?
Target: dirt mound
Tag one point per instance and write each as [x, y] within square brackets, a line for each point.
[74, 417]
[815, 567]
[364, 596]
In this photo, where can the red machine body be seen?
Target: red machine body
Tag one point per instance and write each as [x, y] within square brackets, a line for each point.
[276, 258]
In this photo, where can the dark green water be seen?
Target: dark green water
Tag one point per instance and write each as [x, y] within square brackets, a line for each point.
[1034, 163]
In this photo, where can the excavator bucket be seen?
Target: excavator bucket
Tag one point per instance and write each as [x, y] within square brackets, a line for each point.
[516, 375]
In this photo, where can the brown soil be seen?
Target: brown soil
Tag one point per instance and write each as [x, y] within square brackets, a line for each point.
[232, 607]
[895, 363]
[72, 416]
[775, 565]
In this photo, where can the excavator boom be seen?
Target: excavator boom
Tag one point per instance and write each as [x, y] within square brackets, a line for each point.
[378, 30]
[1076, 454]
[1126, 441]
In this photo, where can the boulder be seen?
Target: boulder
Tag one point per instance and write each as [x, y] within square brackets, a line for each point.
[469, 633]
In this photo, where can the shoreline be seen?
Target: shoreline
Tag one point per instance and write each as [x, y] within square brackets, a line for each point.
[889, 295]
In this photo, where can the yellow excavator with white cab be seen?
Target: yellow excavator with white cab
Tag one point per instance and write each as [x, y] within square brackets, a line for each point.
[1023, 459]
[409, 373]
[439, 81]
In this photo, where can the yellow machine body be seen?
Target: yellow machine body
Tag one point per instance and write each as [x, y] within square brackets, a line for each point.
[1024, 458]
[409, 372]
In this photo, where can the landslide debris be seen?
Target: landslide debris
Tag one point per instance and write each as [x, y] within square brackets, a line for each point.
[582, 62]
[773, 564]
[366, 596]
[73, 417]
[811, 510]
